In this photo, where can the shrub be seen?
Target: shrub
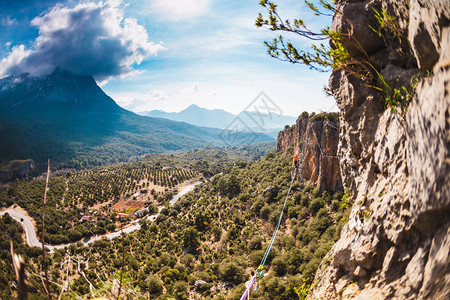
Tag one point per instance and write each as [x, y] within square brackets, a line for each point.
[315, 205]
[297, 197]
[180, 290]
[255, 257]
[217, 232]
[259, 203]
[279, 266]
[335, 205]
[171, 275]
[308, 188]
[310, 269]
[155, 285]
[75, 235]
[265, 212]
[274, 217]
[231, 272]
[255, 243]
[305, 200]
[190, 238]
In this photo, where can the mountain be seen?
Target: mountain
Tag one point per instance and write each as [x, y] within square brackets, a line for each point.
[218, 118]
[69, 119]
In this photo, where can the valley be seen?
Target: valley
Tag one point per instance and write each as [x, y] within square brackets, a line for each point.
[69, 118]
[28, 224]
[124, 198]
[204, 243]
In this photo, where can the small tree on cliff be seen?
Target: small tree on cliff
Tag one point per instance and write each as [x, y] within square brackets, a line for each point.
[332, 52]
[323, 57]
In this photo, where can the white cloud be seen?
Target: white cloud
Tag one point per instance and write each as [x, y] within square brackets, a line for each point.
[90, 38]
[15, 58]
[181, 9]
[139, 102]
[8, 21]
[159, 96]
[194, 90]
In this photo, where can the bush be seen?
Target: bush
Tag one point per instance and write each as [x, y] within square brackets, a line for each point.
[310, 269]
[255, 257]
[297, 197]
[279, 266]
[155, 285]
[171, 275]
[265, 212]
[315, 205]
[255, 243]
[233, 233]
[321, 223]
[305, 200]
[75, 235]
[335, 205]
[274, 217]
[190, 238]
[259, 203]
[316, 192]
[308, 188]
[217, 232]
[231, 272]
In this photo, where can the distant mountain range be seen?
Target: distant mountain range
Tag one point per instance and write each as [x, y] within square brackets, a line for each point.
[218, 118]
[70, 120]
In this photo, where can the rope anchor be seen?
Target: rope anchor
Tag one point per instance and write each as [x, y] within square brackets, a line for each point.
[259, 275]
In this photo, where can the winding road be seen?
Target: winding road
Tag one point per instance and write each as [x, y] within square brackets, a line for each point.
[33, 241]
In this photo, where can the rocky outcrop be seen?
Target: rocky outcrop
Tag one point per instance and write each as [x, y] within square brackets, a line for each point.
[16, 169]
[315, 140]
[395, 165]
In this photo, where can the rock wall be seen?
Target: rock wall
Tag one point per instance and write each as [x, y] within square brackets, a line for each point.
[16, 169]
[309, 138]
[395, 166]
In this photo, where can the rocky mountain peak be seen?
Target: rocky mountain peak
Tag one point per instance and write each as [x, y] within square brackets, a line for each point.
[58, 88]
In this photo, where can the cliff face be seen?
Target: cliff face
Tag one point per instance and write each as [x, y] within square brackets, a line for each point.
[396, 167]
[16, 169]
[316, 142]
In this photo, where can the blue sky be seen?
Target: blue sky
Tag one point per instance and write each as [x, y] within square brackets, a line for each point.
[163, 54]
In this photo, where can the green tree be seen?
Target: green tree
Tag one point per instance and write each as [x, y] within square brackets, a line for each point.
[231, 272]
[323, 57]
[190, 238]
[155, 285]
[233, 186]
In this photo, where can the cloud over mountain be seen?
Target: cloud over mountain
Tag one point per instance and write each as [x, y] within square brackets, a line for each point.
[89, 39]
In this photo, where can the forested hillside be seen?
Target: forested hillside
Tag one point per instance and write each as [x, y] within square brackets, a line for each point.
[209, 243]
[68, 119]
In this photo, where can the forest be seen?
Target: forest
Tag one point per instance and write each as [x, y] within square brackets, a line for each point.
[206, 246]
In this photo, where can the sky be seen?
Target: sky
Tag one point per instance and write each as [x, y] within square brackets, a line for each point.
[163, 54]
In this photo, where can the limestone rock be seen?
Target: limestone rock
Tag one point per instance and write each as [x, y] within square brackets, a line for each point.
[353, 21]
[16, 169]
[428, 21]
[199, 283]
[395, 165]
[316, 142]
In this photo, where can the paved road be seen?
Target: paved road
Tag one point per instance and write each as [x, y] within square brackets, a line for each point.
[26, 222]
[33, 241]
